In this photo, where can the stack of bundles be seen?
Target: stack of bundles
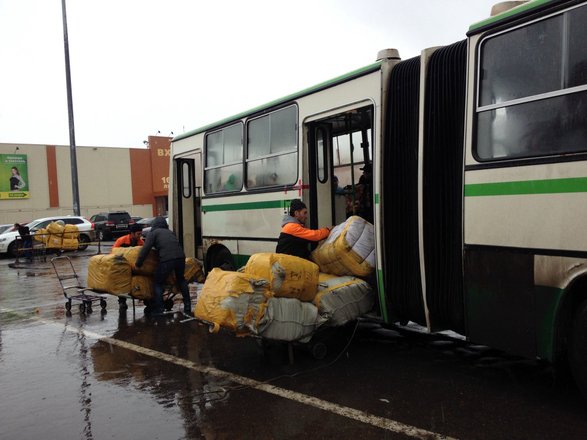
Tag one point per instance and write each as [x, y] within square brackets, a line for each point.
[141, 283]
[41, 236]
[70, 238]
[233, 300]
[348, 250]
[131, 254]
[54, 239]
[288, 319]
[109, 273]
[342, 299]
[142, 278]
[288, 276]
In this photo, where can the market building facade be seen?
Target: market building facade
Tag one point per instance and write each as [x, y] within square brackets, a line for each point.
[35, 180]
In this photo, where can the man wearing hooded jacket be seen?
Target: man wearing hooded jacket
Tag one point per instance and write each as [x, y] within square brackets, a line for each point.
[171, 258]
[295, 238]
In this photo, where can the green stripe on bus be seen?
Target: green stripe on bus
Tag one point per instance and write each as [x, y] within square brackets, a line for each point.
[247, 206]
[377, 198]
[547, 186]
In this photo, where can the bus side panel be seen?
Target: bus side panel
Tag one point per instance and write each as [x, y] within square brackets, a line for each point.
[500, 298]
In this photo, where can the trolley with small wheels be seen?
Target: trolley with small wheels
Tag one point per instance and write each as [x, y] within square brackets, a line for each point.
[73, 290]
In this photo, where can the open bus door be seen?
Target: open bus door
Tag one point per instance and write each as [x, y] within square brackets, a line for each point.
[188, 200]
[339, 148]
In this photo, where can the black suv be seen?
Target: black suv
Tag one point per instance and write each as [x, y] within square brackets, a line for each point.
[109, 224]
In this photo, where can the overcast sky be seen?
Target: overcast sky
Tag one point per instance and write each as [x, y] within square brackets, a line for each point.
[145, 66]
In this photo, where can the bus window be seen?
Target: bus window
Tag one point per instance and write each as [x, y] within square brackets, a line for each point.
[186, 184]
[321, 153]
[224, 155]
[272, 150]
[532, 97]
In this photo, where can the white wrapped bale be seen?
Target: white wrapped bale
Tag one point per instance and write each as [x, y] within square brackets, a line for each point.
[343, 299]
[289, 319]
[348, 250]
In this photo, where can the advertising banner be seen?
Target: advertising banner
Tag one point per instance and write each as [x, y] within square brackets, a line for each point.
[14, 177]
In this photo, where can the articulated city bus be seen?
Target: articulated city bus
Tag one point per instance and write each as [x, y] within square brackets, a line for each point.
[479, 156]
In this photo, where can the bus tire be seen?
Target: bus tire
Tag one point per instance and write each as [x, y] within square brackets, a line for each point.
[578, 348]
[221, 257]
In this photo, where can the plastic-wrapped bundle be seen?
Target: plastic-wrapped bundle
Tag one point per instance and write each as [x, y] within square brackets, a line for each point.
[132, 253]
[288, 276]
[348, 250]
[42, 235]
[70, 232]
[193, 272]
[55, 237]
[289, 319]
[70, 244]
[233, 300]
[342, 299]
[109, 273]
[141, 287]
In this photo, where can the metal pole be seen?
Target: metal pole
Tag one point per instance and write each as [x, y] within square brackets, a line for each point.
[72, 154]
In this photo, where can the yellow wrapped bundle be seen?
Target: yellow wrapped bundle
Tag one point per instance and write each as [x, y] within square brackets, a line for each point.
[233, 300]
[193, 272]
[54, 242]
[132, 253]
[348, 250]
[55, 228]
[70, 232]
[70, 244]
[141, 287]
[109, 273]
[42, 235]
[288, 276]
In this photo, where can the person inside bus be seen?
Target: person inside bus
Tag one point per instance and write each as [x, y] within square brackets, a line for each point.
[171, 258]
[337, 190]
[133, 238]
[365, 200]
[295, 238]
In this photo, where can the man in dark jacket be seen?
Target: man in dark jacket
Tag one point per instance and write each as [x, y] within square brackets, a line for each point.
[171, 258]
[27, 242]
[295, 238]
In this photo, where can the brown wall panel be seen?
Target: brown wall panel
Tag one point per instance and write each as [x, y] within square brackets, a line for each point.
[52, 181]
[140, 168]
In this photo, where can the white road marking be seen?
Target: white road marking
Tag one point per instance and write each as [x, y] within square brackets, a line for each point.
[344, 411]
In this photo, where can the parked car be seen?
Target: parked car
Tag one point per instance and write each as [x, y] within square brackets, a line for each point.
[147, 224]
[86, 232]
[136, 218]
[110, 224]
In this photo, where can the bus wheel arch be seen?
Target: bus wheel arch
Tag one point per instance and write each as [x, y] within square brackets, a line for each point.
[218, 255]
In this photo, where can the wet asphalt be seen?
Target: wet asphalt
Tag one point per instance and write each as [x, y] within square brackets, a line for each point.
[116, 375]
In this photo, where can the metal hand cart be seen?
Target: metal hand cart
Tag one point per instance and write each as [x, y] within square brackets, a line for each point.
[64, 270]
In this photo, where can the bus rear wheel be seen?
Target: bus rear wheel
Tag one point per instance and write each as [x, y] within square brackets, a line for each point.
[578, 348]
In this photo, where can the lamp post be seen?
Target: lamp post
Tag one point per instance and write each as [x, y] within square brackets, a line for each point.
[72, 153]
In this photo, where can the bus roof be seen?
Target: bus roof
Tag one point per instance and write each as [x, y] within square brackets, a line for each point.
[324, 85]
[518, 10]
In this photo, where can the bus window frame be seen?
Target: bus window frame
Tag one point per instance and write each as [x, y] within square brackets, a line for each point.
[246, 160]
[206, 168]
[552, 156]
